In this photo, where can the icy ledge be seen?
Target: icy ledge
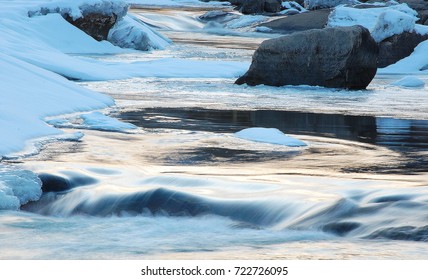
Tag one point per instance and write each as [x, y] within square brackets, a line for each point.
[270, 136]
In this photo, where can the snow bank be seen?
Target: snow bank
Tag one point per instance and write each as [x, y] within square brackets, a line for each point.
[132, 33]
[382, 22]
[24, 104]
[17, 187]
[416, 63]
[31, 48]
[269, 135]
[410, 81]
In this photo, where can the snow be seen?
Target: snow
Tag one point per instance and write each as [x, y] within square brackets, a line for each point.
[269, 135]
[79, 8]
[322, 4]
[292, 6]
[409, 81]
[24, 104]
[416, 63]
[93, 120]
[382, 22]
[17, 187]
[264, 29]
[99, 121]
[135, 34]
[36, 49]
[175, 3]
[390, 23]
[246, 20]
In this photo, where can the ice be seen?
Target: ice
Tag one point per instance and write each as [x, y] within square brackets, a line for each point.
[409, 81]
[79, 8]
[135, 34]
[416, 63]
[24, 104]
[382, 22]
[269, 135]
[17, 187]
[391, 23]
[174, 3]
[245, 21]
[292, 6]
[99, 121]
[322, 4]
[94, 120]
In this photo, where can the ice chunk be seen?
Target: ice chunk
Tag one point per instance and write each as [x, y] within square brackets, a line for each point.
[132, 33]
[17, 187]
[409, 81]
[269, 135]
[245, 21]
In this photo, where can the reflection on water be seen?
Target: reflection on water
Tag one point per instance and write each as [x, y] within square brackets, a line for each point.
[392, 133]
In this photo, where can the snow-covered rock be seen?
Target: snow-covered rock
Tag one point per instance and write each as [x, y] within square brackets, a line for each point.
[79, 8]
[382, 22]
[392, 22]
[322, 4]
[135, 34]
[409, 81]
[270, 136]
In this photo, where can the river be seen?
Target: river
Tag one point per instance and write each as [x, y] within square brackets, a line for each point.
[182, 186]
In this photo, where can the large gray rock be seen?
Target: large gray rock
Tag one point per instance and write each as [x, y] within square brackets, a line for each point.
[300, 22]
[341, 57]
[260, 6]
[398, 47]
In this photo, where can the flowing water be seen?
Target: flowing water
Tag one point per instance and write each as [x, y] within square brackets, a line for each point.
[182, 186]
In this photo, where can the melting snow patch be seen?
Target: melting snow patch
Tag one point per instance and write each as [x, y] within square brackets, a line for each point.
[269, 135]
[94, 120]
[409, 81]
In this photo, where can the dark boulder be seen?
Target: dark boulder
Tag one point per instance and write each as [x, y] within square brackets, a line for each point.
[398, 47]
[260, 6]
[341, 57]
[96, 25]
[300, 22]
